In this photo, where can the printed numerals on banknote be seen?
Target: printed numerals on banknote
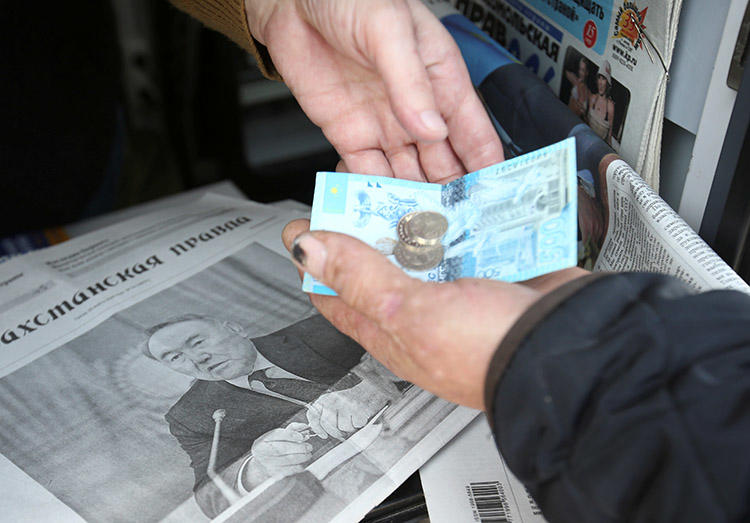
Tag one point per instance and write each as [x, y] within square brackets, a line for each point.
[511, 221]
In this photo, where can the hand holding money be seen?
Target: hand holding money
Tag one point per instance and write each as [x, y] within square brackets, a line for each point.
[511, 221]
[439, 336]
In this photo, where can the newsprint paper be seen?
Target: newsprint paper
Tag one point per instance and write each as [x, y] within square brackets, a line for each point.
[607, 60]
[128, 359]
[628, 228]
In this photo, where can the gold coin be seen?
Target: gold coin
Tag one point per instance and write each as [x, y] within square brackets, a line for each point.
[427, 226]
[422, 228]
[401, 231]
[418, 258]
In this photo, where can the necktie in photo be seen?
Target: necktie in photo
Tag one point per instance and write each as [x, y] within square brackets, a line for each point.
[300, 390]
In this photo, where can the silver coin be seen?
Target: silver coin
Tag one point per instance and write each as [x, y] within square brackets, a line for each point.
[418, 258]
[422, 228]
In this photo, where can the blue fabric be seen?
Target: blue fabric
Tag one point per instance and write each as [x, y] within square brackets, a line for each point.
[481, 54]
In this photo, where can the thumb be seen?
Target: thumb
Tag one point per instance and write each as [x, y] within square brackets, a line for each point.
[297, 426]
[363, 278]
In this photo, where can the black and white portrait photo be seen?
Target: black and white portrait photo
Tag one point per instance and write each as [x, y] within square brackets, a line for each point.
[227, 384]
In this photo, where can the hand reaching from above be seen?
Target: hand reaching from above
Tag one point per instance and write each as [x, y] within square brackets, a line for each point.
[385, 82]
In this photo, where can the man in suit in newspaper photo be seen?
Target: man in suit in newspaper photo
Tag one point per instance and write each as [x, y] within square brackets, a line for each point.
[278, 391]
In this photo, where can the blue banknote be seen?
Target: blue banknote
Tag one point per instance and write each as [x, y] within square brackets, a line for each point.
[511, 221]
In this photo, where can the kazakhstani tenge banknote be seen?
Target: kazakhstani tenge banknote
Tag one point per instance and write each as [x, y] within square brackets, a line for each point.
[511, 221]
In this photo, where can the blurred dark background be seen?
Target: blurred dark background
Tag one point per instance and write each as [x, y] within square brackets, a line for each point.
[105, 104]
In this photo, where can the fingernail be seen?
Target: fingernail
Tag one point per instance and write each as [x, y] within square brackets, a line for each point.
[433, 121]
[309, 253]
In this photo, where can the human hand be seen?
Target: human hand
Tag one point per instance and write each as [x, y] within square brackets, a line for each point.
[278, 452]
[439, 336]
[385, 82]
[343, 411]
[590, 219]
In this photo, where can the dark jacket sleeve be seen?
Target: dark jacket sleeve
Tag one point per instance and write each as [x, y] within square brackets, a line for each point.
[627, 398]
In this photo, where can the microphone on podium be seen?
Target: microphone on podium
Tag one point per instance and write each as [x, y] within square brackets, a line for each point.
[227, 491]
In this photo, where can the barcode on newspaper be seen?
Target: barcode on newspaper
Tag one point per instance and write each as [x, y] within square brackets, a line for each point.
[534, 507]
[488, 502]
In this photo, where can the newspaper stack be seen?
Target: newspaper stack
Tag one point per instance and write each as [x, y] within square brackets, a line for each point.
[608, 60]
[169, 368]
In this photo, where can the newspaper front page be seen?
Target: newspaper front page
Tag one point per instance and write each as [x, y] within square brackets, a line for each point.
[607, 60]
[170, 368]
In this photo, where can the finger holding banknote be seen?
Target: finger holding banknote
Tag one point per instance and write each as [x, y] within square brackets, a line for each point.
[439, 336]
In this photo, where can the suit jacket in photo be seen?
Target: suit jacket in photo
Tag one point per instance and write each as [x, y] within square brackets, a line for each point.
[311, 348]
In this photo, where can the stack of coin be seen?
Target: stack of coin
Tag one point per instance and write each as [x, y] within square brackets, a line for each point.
[419, 235]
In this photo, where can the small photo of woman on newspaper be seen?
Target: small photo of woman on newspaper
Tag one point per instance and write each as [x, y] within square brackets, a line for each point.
[595, 96]
[601, 111]
[577, 88]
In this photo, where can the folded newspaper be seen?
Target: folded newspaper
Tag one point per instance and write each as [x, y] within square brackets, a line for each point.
[468, 481]
[608, 60]
[169, 368]
[627, 228]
